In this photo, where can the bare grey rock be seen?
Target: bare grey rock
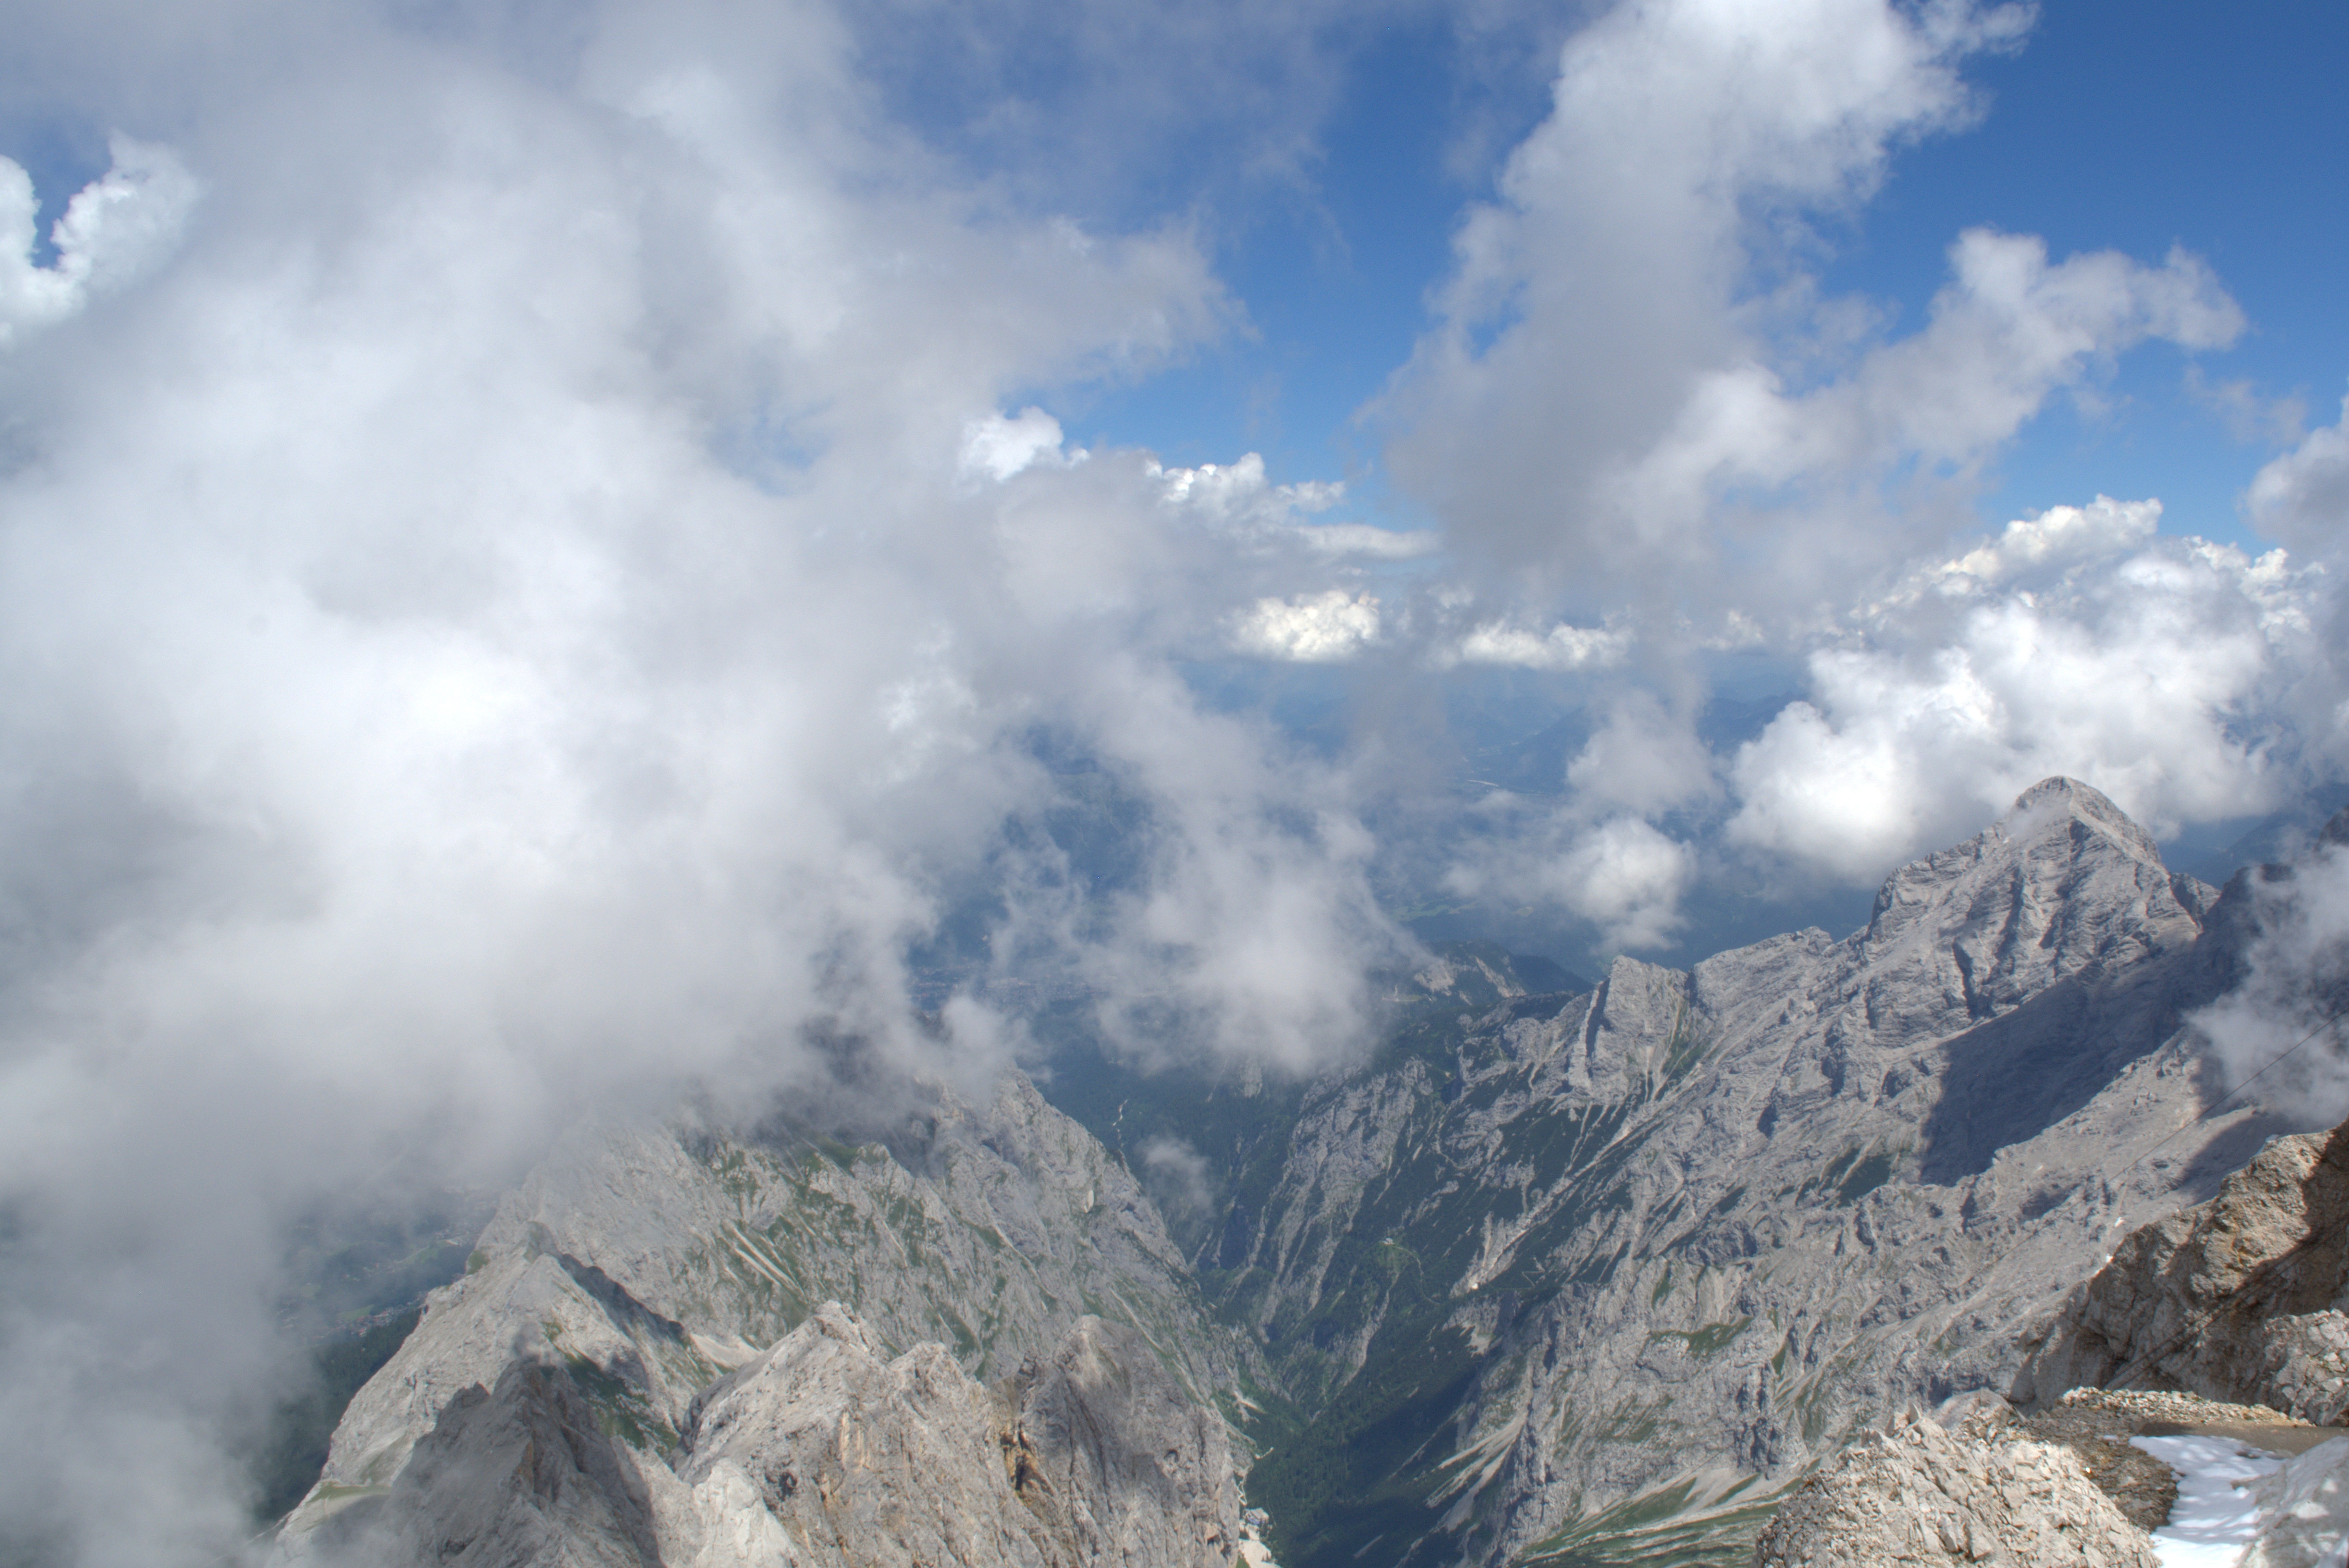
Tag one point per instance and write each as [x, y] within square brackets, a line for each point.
[819, 1451]
[596, 1390]
[863, 1460]
[1094, 1457]
[1680, 1240]
[2241, 1298]
[1127, 1468]
[521, 1476]
[1916, 1493]
[986, 1227]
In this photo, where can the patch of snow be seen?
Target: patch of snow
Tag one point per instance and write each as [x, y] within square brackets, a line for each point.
[2217, 1514]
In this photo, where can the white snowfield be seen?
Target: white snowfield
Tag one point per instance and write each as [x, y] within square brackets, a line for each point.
[2241, 1507]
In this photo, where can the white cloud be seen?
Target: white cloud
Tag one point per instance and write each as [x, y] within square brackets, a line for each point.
[2303, 496]
[1643, 758]
[1637, 396]
[1594, 307]
[1239, 498]
[2162, 680]
[2060, 535]
[1000, 448]
[2273, 1034]
[1176, 1174]
[1359, 539]
[1563, 647]
[1325, 628]
[1621, 874]
[1626, 878]
[115, 228]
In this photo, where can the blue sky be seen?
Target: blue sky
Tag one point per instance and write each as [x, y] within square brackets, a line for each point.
[2218, 129]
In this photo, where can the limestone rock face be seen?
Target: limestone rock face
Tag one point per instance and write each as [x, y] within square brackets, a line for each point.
[818, 1452]
[1096, 1457]
[1918, 1493]
[861, 1460]
[1636, 1260]
[1126, 1467]
[519, 1476]
[2241, 1298]
[594, 1392]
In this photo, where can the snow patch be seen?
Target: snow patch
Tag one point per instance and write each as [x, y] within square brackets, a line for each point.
[2217, 1514]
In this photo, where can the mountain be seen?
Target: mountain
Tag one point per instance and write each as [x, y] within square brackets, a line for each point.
[1595, 1277]
[1558, 1273]
[971, 1329]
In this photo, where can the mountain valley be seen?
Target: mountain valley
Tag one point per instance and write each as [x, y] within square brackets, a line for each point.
[1560, 1273]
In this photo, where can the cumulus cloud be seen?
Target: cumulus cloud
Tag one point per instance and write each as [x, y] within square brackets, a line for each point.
[1643, 758]
[1637, 396]
[1621, 874]
[2101, 529]
[1359, 539]
[1593, 314]
[1563, 647]
[2164, 679]
[1641, 414]
[115, 228]
[1326, 628]
[2303, 496]
[999, 446]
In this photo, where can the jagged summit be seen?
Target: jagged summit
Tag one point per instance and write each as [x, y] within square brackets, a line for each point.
[2055, 798]
[1697, 1228]
[2064, 886]
[1554, 1275]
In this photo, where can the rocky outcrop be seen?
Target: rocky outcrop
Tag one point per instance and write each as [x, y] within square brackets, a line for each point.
[653, 1257]
[863, 1460]
[1646, 1255]
[1093, 1456]
[594, 1391]
[2241, 1298]
[1124, 1467]
[818, 1452]
[1916, 1493]
[521, 1475]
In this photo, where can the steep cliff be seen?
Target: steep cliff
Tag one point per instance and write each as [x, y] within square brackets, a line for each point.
[1596, 1276]
[594, 1390]
[2244, 1298]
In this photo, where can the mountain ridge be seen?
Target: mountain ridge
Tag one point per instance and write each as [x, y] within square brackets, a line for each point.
[1684, 1189]
[1567, 1276]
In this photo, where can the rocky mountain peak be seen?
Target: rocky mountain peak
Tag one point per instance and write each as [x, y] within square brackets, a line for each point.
[2064, 886]
[2059, 837]
[2051, 804]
